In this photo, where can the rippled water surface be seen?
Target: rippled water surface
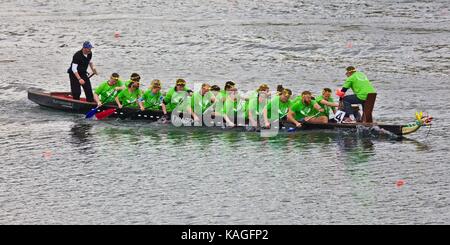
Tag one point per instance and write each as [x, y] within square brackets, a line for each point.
[58, 168]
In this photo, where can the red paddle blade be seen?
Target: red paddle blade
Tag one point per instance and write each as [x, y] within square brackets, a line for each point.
[105, 113]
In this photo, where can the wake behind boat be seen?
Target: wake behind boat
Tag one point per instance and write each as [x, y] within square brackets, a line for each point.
[63, 101]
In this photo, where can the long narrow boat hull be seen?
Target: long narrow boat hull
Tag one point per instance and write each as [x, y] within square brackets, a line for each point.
[60, 101]
[63, 101]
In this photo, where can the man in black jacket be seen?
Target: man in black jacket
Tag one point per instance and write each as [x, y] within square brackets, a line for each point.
[78, 72]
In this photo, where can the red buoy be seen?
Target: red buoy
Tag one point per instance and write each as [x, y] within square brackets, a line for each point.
[400, 183]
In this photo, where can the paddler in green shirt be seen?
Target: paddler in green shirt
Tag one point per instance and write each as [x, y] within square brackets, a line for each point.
[256, 103]
[282, 102]
[305, 110]
[152, 98]
[360, 85]
[104, 92]
[129, 97]
[326, 102]
[178, 98]
[221, 97]
[202, 100]
[134, 77]
[215, 90]
[233, 106]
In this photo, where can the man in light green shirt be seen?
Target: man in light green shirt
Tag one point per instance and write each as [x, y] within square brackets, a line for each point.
[361, 87]
[305, 110]
[279, 103]
[326, 102]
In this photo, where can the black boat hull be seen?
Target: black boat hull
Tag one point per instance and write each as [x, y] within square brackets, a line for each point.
[63, 101]
[60, 101]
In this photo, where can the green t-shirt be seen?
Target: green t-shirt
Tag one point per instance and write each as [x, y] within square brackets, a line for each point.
[254, 106]
[127, 82]
[200, 101]
[302, 110]
[221, 95]
[173, 99]
[152, 101]
[283, 107]
[360, 85]
[128, 99]
[296, 99]
[233, 106]
[325, 107]
[220, 100]
[106, 92]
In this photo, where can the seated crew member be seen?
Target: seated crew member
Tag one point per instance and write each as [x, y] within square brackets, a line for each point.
[178, 97]
[222, 95]
[202, 100]
[282, 102]
[152, 98]
[215, 90]
[233, 105]
[129, 96]
[360, 85]
[134, 77]
[326, 102]
[303, 110]
[256, 103]
[279, 89]
[104, 92]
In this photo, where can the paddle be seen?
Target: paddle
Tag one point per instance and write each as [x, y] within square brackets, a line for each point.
[92, 112]
[293, 129]
[106, 113]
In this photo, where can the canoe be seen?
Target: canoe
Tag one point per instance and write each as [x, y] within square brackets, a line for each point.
[64, 101]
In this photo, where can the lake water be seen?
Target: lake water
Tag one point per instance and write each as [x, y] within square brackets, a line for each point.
[58, 168]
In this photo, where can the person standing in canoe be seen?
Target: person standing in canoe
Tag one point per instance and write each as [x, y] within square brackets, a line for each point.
[129, 96]
[104, 92]
[78, 72]
[361, 87]
[305, 110]
[152, 98]
[282, 102]
[326, 102]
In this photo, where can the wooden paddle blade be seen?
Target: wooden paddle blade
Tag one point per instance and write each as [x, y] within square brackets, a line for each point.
[91, 113]
[106, 113]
